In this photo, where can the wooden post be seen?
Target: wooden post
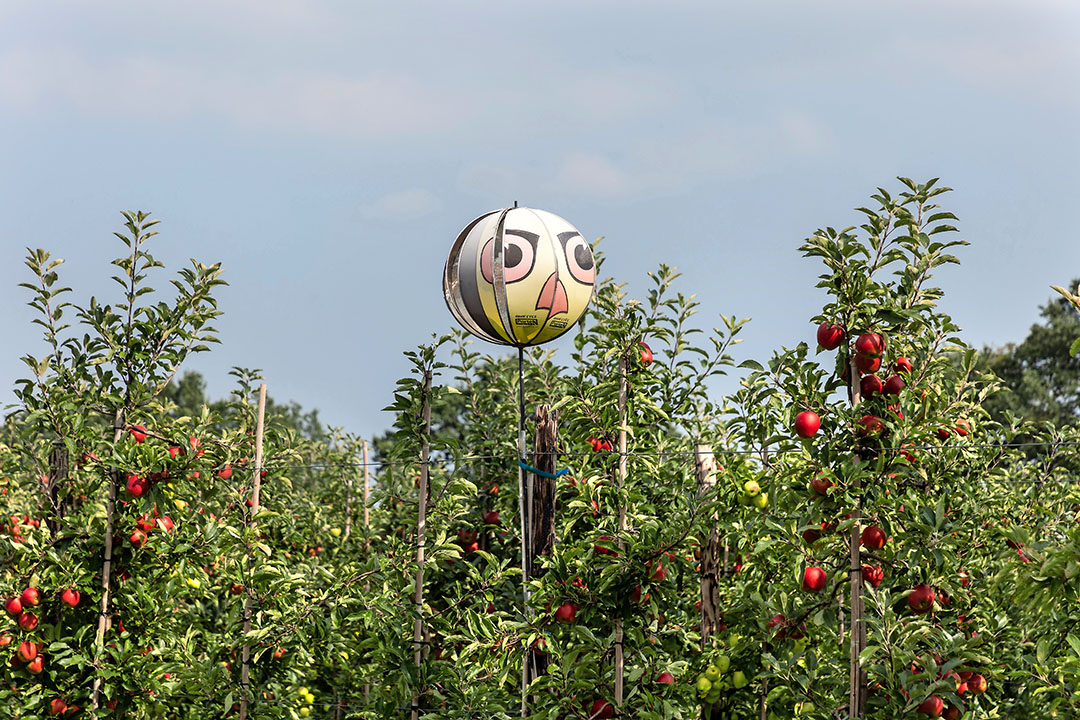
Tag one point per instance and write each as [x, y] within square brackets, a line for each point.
[251, 522]
[705, 466]
[541, 513]
[421, 526]
[856, 689]
[106, 570]
[620, 660]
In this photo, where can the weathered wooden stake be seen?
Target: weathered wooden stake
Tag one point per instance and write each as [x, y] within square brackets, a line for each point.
[620, 660]
[106, 570]
[421, 526]
[705, 466]
[251, 522]
[541, 513]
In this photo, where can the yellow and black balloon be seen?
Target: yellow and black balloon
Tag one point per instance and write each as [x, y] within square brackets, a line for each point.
[519, 276]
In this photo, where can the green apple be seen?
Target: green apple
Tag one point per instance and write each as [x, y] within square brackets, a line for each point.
[761, 501]
[713, 673]
[723, 663]
[751, 487]
[745, 499]
[738, 679]
[336, 532]
[804, 708]
[704, 685]
[713, 696]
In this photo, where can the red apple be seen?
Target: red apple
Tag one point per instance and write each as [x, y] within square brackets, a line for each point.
[28, 621]
[70, 597]
[491, 517]
[658, 574]
[893, 385]
[138, 539]
[601, 710]
[873, 537]
[902, 365]
[35, 666]
[952, 713]
[176, 451]
[870, 385]
[943, 433]
[931, 706]
[646, 354]
[136, 485]
[807, 423]
[601, 550]
[637, 598]
[57, 707]
[867, 364]
[6, 639]
[977, 684]
[811, 535]
[869, 345]
[872, 575]
[27, 650]
[821, 484]
[166, 523]
[813, 579]
[780, 622]
[963, 427]
[665, 678]
[138, 432]
[869, 425]
[565, 613]
[226, 472]
[30, 597]
[830, 335]
[146, 524]
[13, 606]
[921, 599]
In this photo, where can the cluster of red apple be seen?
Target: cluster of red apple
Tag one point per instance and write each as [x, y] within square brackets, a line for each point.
[28, 652]
[15, 527]
[147, 523]
[966, 682]
[599, 444]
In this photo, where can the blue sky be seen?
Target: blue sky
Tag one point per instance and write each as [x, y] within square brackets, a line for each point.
[328, 154]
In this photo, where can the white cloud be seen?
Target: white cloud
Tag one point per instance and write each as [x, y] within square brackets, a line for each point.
[365, 106]
[656, 165]
[403, 205]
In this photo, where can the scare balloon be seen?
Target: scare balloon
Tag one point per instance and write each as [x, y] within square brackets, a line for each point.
[519, 276]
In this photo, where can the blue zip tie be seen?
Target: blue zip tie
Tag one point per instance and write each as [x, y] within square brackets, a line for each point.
[541, 473]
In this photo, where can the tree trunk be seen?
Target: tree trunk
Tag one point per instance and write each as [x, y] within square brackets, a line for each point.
[542, 513]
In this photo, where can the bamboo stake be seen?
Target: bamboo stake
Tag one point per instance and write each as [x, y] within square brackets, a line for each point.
[367, 491]
[421, 526]
[367, 531]
[855, 693]
[106, 570]
[251, 522]
[620, 660]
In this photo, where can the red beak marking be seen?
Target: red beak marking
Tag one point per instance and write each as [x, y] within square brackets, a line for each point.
[553, 296]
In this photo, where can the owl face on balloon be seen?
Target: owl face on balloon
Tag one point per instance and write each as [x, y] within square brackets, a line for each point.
[519, 276]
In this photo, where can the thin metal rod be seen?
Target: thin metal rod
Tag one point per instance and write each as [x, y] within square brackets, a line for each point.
[523, 509]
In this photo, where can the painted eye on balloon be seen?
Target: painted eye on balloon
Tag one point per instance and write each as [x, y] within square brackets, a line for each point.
[579, 257]
[519, 255]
